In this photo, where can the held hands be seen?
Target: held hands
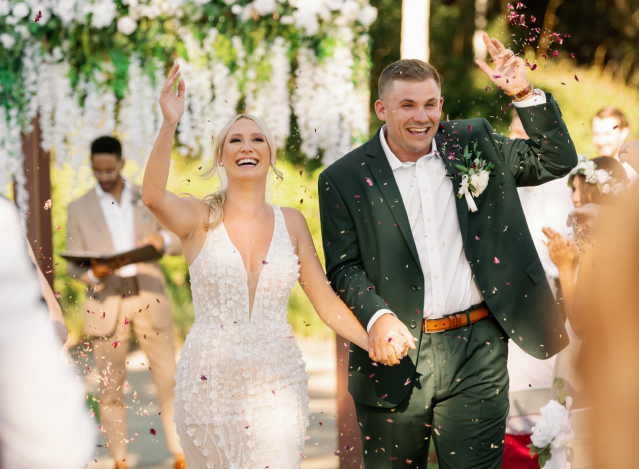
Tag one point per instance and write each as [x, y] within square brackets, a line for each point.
[510, 71]
[563, 251]
[389, 340]
[172, 104]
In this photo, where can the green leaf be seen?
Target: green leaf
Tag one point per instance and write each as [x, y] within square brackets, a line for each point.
[559, 383]
[544, 456]
[562, 397]
[463, 169]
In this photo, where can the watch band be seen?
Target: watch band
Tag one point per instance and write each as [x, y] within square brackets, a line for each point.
[522, 94]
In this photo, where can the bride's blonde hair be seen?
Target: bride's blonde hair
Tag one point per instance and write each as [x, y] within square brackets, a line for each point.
[216, 200]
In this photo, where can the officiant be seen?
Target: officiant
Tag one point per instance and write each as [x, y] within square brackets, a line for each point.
[108, 219]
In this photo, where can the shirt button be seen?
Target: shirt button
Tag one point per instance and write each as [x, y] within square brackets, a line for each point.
[414, 287]
[413, 324]
[429, 219]
[439, 304]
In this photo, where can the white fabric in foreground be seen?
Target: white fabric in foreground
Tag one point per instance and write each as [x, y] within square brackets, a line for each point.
[44, 420]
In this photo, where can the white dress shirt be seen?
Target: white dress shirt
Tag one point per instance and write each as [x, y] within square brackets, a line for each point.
[120, 220]
[429, 199]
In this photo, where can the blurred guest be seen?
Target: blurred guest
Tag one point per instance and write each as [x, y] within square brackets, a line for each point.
[44, 420]
[112, 218]
[597, 182]
[609, 312]
[610, 130]
[530, 378]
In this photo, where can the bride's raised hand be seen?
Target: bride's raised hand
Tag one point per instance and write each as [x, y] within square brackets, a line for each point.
[172, 104]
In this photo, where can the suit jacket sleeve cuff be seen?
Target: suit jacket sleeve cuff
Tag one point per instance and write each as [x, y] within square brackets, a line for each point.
[376, 316]
[539, 98]
[92, 278]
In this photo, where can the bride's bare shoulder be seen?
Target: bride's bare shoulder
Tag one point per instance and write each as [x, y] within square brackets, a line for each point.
[295, 221]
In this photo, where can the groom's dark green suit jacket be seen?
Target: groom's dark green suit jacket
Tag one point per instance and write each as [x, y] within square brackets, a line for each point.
[372, 261]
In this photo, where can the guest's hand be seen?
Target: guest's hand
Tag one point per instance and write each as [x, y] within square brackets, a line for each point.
[563, 252]
[172, 105]
[629, 153]
[510, 71]
[386, 351]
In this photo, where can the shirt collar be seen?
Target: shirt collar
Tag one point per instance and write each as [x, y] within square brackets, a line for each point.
[127, 191]
[394, 162]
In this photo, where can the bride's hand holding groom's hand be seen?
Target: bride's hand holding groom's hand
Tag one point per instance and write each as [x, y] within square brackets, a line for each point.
[389, 340]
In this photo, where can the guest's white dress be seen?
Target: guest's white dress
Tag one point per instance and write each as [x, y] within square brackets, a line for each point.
[241, 394]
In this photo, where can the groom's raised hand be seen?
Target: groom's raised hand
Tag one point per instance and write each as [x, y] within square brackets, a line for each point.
[510, 71]
[386, 327]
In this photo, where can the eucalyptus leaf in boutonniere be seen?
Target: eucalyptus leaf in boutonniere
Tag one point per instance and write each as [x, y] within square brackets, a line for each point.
[475, 174]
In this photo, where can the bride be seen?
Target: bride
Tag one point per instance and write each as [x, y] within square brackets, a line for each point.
[241, 399]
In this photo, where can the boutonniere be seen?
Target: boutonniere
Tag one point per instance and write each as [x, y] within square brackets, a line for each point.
[475, 173]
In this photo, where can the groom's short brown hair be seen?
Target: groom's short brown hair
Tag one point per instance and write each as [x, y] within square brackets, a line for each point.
[408, 70]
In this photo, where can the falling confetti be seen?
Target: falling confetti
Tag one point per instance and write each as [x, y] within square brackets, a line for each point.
[153, 431]
[203, 378]
[497, 261]
[369, 181]
[576, 78]
[47, 204]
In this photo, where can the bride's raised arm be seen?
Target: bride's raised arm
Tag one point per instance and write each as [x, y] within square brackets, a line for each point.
[330, 308]
[180, 215]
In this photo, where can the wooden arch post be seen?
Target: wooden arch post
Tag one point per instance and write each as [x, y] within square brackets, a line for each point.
[37, 169]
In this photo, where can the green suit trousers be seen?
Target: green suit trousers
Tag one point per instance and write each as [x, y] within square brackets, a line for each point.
[459, 400]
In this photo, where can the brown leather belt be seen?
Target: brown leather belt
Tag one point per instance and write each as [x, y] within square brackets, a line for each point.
[454, 321]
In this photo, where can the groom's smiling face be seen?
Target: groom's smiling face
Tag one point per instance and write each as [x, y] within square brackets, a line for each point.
[411, 111]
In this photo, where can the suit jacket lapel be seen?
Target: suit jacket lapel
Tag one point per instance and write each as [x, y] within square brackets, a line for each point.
[383, 174]
[450, 153]
[99, 226]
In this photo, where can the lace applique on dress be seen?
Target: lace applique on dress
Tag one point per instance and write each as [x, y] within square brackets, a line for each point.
[241, 394]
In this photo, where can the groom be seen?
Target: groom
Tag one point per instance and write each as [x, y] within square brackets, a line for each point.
[407, 254]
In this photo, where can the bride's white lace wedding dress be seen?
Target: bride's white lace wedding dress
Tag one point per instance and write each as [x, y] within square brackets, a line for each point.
[241, 394]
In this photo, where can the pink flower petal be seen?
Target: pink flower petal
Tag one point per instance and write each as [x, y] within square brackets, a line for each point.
[369, 181]
[497, 261]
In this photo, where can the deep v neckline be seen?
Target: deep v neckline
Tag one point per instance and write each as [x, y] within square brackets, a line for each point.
[265, 263]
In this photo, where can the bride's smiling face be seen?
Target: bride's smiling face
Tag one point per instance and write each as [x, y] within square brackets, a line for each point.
[245, 154]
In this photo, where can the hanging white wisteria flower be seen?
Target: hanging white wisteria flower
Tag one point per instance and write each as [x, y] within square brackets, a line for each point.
[77, 87]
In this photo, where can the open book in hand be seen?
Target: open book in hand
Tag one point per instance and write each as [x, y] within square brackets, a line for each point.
[141, 254]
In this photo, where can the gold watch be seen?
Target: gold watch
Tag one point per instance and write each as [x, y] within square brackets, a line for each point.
[522, 94]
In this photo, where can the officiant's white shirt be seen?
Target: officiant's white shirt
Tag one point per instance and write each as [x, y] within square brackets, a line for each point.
[429, 199]
[120, 220]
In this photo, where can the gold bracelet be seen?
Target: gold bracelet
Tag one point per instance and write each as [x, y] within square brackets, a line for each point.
[522, 94]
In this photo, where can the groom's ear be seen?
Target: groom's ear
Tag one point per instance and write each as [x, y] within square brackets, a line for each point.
[380, 109]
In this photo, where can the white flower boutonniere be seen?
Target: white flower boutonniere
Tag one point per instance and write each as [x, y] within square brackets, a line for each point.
[475, 174]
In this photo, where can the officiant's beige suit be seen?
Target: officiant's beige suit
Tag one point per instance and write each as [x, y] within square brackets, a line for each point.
[87, 232]
[118, 304]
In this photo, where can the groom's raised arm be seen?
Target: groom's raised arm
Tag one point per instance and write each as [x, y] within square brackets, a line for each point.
[549, 152]
[344, 266]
